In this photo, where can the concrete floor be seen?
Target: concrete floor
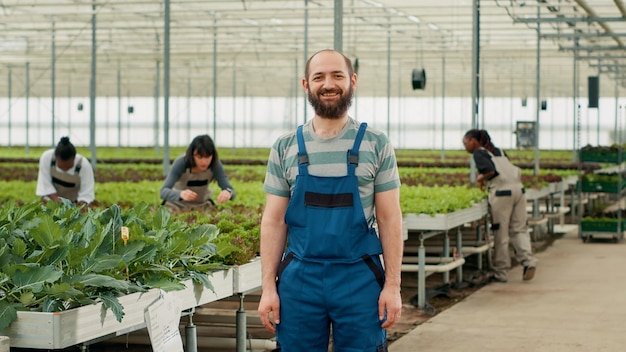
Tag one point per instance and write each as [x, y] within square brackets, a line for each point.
[576, 302]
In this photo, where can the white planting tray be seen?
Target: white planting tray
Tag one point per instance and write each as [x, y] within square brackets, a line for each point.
[247, 277]
[448, 221]
[72, 327]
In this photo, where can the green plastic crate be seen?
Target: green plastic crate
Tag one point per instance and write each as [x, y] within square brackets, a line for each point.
[600, 156]
[601, 226]
[602, 186]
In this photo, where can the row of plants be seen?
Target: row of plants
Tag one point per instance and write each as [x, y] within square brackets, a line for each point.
[258, 156]
[56, 256]
[251, 173]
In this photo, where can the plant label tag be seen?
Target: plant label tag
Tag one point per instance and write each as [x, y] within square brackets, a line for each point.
[125, 234]
[162, 320]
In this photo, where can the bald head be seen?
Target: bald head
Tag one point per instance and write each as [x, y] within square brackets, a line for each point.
[324, 55]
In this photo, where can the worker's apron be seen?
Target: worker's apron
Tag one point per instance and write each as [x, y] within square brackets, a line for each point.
[197, 182]
[66, 185]
[331, 274]
[507, 204]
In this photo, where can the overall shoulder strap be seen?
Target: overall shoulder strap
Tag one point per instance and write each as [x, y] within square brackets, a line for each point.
[79, 164]
[353, 154]
[303, 158]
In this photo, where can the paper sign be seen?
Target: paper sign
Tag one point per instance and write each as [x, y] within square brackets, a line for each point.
[162, 319]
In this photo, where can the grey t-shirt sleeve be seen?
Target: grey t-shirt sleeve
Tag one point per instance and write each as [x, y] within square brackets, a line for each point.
[167, 192]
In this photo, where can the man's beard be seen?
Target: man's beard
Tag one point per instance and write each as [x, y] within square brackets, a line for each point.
[334, 111]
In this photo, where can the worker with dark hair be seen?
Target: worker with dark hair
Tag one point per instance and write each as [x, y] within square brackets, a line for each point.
[187, 184]
[63, 173]
[507, 205]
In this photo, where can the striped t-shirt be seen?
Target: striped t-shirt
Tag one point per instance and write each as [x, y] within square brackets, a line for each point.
[377, 170]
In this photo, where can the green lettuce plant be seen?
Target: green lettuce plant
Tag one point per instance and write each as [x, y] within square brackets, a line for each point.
[56, 256]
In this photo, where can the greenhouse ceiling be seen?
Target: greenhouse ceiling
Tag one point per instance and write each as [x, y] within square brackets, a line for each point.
[258, 47]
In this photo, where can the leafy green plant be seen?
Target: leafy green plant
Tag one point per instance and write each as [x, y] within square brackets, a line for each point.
[438, 199]
[56, 256]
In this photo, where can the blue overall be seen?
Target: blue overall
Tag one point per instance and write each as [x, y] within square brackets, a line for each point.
[331, 274]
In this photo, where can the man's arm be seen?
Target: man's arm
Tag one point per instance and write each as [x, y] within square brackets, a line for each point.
[389, 219]
[273, 240]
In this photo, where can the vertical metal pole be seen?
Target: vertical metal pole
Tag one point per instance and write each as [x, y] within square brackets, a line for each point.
[119, 109]
[434, 105]
[166, 89]
[92, 90]
[338, 29]
[511, 142]
[446, 254]
[245, 115]
[538, 88]
[388, 77]
[399, 142]
[355, 64]
[475, 61]
[598, 114]
[306, 51]
[575, 103]
[241, 326]
[421, 274]
[69, 106]
[481, 79]
[52, 80]
[128, 137]
[617, 136]
[475, 75]
[443, 108]
[27, 96]
[459, 254]
[9, 97]
[551, 127]
[215, 79]
[234, 119]
[39, 129]
[191, 336]
[188, 109]
[295, 91]
[157, 85]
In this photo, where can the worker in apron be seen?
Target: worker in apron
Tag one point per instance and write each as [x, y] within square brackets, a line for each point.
[65, 174]
[186, 187]
[507, 206]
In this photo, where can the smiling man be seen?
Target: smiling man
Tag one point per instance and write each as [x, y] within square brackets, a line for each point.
[332, 201]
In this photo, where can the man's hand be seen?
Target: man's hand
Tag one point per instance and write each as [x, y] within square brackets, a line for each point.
[389, 305]
[269, 307]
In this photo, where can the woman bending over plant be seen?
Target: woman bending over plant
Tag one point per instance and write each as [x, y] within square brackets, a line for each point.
[187, 184]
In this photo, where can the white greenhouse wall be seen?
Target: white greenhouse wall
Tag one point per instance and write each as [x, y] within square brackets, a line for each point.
[413, 123]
